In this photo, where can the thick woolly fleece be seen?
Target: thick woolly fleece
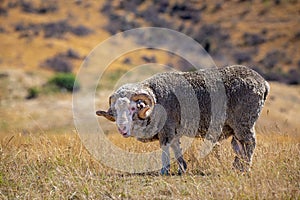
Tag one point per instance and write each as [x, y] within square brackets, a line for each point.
[184, 105]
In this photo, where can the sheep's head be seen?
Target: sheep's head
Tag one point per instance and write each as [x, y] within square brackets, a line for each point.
[127, 107]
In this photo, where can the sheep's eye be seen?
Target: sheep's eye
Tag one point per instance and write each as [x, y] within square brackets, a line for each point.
[133, 109]
[140, 105]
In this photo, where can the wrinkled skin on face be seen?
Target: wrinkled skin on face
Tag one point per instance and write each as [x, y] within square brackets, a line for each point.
[125, 109]
[131, 111]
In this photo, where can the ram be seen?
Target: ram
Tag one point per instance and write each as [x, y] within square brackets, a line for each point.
[165, 106]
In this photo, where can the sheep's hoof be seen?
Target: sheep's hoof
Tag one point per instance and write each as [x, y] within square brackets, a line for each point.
[180, 172]
[241, 166]
[182, 168]
[165, 171]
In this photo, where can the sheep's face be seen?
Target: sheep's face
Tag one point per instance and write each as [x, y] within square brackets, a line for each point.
[127, 109]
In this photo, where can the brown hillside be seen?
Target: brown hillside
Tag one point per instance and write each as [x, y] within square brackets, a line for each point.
[261, 34]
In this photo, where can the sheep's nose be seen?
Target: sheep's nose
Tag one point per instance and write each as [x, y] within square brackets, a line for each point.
[122, 127]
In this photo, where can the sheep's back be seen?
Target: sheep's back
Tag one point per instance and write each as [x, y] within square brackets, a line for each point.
[243, 87]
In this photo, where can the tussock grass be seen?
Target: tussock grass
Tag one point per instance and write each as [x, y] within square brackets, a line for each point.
[57, 166]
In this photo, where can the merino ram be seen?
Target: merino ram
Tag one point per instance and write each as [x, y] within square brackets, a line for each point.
[152, 110]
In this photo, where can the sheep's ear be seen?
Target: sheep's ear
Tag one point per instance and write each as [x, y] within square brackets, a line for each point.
[108, 115]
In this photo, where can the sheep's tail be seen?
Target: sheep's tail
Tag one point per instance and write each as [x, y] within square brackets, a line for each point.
[267, 90]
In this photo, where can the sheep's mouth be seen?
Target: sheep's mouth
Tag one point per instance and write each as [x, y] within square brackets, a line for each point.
[124, 134]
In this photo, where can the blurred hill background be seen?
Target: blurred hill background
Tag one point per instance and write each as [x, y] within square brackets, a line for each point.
[57, 35]
[40, 38]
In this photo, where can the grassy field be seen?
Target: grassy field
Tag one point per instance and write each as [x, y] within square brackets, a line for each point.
[42, 161]
[38, 166]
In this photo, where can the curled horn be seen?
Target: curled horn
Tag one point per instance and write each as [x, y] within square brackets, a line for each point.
[147, 100]
[109, 114]
[112, 99]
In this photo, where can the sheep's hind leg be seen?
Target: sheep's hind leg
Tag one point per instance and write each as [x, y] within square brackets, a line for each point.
[165, 158]
[179, 157]
[244, 148]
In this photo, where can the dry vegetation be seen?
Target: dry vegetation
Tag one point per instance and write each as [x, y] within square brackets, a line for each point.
[41, 154]
[58, 167]
[47, 162]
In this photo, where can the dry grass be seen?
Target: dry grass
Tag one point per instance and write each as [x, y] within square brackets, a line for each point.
[58, 167]
[40, 157]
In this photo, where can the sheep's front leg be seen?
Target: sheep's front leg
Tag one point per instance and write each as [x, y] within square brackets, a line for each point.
[244, 148]
[165, 158]
[179, 157]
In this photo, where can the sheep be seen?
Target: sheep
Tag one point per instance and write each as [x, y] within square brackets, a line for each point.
[150, 110]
